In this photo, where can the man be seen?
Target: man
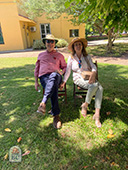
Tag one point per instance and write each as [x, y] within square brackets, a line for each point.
[50, 67]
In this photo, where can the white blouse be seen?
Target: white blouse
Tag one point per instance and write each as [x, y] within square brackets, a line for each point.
[74, 66]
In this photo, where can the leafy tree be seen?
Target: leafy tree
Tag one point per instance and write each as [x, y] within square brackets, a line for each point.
[35, 8]
[108, 16]
[113, 14]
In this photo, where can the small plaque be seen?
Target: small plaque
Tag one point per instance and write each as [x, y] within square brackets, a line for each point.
[15, 154]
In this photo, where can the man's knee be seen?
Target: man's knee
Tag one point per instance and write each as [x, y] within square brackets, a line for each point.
[56, 76]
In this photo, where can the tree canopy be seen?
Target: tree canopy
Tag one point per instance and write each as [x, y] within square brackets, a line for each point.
[109, 16]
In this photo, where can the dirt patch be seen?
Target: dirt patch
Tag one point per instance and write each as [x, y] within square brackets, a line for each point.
[123, 60]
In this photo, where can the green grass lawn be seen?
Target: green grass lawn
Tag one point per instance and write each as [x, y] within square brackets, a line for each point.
[101, 50]
[78, 145]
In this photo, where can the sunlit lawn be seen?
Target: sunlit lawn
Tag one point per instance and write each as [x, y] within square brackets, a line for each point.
[78, 144]
[100, 50]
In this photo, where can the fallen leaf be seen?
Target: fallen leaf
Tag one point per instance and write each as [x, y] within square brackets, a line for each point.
[103, 160]
[7, 130]
[113, 144]
[110, 131]
[94, 167]
[90, 154]
[114, 164]
[107, 157]
[110, 136]
[107, 98]
[127, 166]
[85, 167]
[63, 135]
[108, 113]
[27, 78]
[6, 156]
[19, 139]
[26, 153]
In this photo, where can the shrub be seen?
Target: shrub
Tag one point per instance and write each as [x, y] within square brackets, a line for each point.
[90, 38]
[61, 43]
[38, 44]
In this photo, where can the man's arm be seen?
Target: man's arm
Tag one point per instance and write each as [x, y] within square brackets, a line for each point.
[36, 83]
[63, 64]
[36, 72]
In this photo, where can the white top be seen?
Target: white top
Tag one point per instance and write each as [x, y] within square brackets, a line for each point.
[73, 65]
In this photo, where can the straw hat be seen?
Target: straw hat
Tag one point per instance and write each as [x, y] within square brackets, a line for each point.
[83, 40]
[50, 37]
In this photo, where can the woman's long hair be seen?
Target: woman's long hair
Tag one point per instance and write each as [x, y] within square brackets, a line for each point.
[84, 52]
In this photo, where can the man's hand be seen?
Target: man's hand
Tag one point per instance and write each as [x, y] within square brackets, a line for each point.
[36, 86]
[92, 78]
[60, 72]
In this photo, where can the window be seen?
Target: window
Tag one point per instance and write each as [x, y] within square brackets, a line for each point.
[45, 29]
[74, 33]
[1, 36]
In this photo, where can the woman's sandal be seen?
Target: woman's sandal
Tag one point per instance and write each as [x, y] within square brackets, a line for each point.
[84, 110]
[97, 121]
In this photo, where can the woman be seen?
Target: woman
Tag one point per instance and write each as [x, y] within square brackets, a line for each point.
[84, 75]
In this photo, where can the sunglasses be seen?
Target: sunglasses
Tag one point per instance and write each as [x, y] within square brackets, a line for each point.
[79, 63]
[50, 41]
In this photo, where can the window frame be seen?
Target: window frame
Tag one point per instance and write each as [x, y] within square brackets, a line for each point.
[1, 36]
[45, 29]
[72, 31]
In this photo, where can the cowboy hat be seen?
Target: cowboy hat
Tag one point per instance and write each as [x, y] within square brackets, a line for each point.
[50, 37]
[83, 40]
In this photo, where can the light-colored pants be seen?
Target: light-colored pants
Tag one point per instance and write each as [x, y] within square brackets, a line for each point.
[93, 89]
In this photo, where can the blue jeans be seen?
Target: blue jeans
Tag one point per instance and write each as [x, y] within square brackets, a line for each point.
[50, 83]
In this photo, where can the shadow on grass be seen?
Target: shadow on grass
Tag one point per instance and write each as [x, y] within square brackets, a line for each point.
[18, 92]
[51, 148]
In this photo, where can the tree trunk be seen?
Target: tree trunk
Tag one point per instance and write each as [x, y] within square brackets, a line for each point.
[111, 38]
[110, 42]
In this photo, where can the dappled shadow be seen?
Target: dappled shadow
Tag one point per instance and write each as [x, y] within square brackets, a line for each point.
[59, 150]
[114, 97]
[21, 80]
[50, 147]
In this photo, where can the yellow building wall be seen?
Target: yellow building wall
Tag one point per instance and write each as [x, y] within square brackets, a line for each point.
[10, 26]
[59, 28]
[16, 28]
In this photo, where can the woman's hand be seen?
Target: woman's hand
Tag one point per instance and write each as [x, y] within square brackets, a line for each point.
[62, 85]
[92, 78]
